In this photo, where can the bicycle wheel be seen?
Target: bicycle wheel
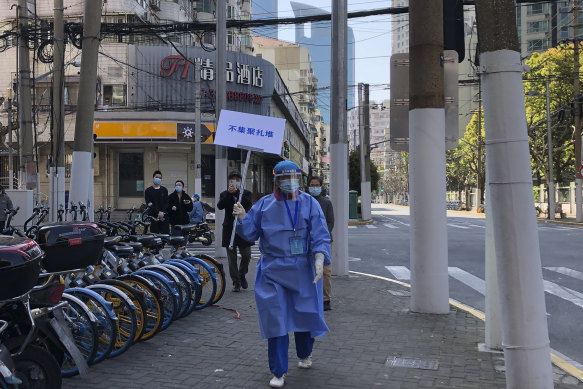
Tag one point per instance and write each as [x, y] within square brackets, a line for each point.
[154, 304]
[125, 310]
[219, 272]
[138, 298]
[191, 278]
[83, 326]
[181, 283]
[37, 368]
[208, 281]
[106, 319]
[195, 279]
[168, 295]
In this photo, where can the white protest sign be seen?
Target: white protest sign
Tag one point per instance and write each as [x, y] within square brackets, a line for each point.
[245, 130]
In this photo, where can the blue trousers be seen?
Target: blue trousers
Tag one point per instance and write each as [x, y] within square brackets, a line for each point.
[277, 351]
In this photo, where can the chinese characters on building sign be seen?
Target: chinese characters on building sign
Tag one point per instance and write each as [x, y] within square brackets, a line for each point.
[249, 131]
[241, 74]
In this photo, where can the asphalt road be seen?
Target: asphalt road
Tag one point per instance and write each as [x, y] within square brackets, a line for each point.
[383, 249]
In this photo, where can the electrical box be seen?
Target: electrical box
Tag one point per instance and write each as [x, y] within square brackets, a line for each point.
[24, 200]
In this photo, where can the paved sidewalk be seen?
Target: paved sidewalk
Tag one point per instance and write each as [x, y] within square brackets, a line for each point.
[369, 325]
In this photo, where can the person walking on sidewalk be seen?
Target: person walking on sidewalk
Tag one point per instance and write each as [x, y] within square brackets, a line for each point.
[157, 195]
[179, 205]
[315, 189]
[295, 246]
[5, 203]
[227, 200]
[197, 213]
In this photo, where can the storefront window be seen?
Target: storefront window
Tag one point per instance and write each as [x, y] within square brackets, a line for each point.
[131, 174]
[208, 176]
[114, 95]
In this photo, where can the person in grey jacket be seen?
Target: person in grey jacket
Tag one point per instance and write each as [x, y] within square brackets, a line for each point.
[315, 189]
[5, 203]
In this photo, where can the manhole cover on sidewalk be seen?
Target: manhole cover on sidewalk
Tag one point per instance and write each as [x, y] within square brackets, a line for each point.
[413, 363]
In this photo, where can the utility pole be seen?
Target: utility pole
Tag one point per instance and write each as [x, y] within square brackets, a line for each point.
[82, 166]
[57, 170]
[339, 138]
[576, 92]
[9, 125]
[550, 153]
[26, 160]
[520, 283]
[220, 103]
[197, 130]
[479, 164]
[365, 189]
[428, 243]
[360, 123]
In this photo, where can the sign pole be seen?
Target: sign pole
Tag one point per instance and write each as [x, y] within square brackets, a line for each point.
[240, 196]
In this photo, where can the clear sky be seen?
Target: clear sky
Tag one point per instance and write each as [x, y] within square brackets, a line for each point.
[372, 36]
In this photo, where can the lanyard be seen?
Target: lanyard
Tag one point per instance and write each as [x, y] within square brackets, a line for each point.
[293, 222]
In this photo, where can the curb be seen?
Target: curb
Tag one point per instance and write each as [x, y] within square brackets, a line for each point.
[557, 358]
[559, 222]
[360, 222]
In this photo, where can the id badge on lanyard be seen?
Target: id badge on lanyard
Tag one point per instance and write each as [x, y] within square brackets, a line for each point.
[296, 243]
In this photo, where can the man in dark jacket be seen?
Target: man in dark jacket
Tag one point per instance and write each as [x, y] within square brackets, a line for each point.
[315, 189]
[157, 195]
[179, 204]
[227, 200]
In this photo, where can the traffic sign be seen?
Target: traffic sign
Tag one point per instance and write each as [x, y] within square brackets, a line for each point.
[581, 171]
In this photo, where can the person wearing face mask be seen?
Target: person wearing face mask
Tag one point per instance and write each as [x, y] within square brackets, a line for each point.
[179, 204]
[197, 213]
[227, 200]
[157, 196]
[315, 189]
[295, 245]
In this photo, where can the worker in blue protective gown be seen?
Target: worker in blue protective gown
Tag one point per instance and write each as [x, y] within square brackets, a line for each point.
[295, 245]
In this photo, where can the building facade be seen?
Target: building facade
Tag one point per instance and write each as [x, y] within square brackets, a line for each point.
[317, 38]
[144, 113]
[265, 9]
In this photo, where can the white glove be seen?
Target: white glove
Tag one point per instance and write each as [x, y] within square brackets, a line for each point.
[319, 266]
[239, 211]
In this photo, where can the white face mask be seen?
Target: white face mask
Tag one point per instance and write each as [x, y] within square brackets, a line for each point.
[289, 186]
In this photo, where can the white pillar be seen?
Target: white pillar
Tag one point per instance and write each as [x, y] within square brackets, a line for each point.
[429, 276]
[525, 334]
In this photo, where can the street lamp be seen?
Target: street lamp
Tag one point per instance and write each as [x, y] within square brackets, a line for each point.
[549, 149]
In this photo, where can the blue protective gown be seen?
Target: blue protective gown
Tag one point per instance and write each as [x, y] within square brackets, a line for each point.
[287, 299]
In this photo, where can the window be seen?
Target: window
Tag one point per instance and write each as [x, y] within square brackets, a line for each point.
[231, 12]
[540, 26]
[114, 95]
[537, 45]
[535, 9]
[131, 174]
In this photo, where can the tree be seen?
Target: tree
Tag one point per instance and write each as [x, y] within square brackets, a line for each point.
[396, 179]
[354, 172]
[463, 169]
[556, 64]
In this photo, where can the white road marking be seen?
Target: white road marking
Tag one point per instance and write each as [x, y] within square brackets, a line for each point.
[353, 259]
[401, 273]
[477, 226]
[467, 278]
[351, 226]
[457, 226]
[390, 225]
[370, 226]
[398, 221]
[566, 271]
[570, 295]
